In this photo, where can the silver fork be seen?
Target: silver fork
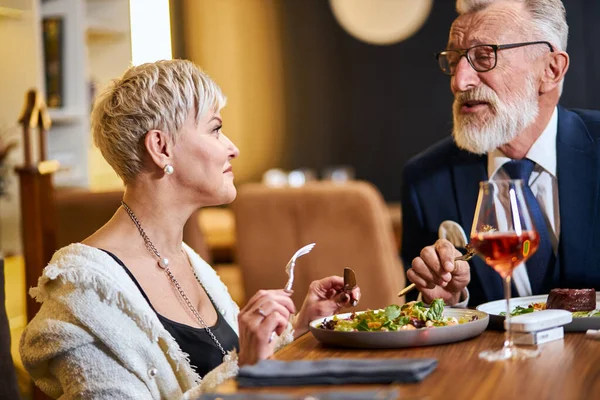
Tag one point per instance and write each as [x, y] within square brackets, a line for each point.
[289, 268]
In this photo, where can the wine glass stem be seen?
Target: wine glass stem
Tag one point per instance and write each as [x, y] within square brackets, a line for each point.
[508, 338]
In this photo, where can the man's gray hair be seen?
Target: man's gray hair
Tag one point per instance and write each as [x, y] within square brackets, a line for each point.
[549, 18]
[159, 95]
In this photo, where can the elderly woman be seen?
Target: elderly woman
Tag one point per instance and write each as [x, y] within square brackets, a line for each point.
[132, 312]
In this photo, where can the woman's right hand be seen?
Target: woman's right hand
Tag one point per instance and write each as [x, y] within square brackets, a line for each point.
[266, 312]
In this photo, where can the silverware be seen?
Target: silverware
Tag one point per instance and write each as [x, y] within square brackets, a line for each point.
[349, 285]
[465, 257]
[454, 233]
[289, 268]
[349, 279]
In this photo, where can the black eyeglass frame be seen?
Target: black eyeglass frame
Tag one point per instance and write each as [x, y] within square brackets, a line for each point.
[495, 47]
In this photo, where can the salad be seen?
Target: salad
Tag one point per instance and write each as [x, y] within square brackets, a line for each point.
[520, 310]
[412, 315]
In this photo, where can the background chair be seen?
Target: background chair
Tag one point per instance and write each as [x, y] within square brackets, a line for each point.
[349, 223]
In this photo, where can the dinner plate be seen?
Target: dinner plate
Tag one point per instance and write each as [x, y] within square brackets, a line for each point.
[407, 338]
[494, 308]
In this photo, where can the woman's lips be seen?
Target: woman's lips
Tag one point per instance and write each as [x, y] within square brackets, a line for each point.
[228, 169]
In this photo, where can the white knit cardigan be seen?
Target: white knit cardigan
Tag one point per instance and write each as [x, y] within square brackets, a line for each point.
[96, 337]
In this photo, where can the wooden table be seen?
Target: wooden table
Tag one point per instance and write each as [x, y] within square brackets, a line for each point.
[566, 369]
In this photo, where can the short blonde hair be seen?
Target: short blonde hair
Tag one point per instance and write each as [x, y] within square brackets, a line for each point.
[157, 95]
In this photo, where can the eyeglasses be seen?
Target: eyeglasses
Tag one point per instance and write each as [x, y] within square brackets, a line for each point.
[482, 57]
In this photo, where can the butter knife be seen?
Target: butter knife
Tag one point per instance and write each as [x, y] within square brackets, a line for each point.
[349, 285]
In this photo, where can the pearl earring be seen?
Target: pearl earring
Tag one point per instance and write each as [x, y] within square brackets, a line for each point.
[169, 169]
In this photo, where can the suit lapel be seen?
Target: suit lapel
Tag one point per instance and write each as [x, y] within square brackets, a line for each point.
[577, 174]
[468, 170]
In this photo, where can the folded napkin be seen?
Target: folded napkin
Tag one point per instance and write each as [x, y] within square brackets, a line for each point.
[593, 334]
[385, 394]
[335, 371]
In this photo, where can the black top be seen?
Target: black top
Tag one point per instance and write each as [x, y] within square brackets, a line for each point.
[203, 351]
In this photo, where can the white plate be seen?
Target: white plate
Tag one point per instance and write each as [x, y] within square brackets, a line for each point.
[411, 338]
[494, 308]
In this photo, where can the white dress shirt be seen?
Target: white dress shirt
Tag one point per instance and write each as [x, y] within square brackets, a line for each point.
[544, 186]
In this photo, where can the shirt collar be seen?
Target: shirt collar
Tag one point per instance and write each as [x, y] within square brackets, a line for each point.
[542, 152]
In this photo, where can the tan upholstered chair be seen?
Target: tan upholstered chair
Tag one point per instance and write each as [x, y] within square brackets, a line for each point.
[349, 223]
[79, 213]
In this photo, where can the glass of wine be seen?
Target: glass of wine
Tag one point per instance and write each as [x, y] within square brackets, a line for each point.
[503, 234]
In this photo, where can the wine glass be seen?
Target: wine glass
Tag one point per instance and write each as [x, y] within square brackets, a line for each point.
[503, 234]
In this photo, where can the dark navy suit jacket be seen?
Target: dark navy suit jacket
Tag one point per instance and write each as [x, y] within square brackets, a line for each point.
[442, 183]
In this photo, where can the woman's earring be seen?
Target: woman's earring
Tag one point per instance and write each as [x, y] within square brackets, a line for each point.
[169, 169]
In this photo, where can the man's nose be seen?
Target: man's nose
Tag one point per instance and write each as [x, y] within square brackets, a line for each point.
[465, 77]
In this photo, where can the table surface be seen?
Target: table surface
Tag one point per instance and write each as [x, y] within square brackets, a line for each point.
[566, 369]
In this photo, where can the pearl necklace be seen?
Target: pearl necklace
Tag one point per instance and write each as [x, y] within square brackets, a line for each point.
[163, 263]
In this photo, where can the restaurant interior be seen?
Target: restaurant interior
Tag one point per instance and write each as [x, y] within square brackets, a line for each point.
[326, 101]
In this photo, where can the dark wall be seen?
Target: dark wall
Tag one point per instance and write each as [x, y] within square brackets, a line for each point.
[582, 84]
[373, 107]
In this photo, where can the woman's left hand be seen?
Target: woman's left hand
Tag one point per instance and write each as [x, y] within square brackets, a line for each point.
[325, 297]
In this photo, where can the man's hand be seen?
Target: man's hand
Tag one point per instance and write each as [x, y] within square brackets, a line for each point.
[437, 275]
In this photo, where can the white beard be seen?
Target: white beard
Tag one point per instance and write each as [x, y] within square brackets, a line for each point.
[509, 119]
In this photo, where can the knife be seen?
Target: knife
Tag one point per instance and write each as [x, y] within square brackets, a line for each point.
[349, 285]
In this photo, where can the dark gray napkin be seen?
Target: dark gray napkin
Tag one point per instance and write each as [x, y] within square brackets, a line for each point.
[385, 394]
[335, 371]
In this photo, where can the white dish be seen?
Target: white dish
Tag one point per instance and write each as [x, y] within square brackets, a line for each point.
[409, 338]
[494, 308]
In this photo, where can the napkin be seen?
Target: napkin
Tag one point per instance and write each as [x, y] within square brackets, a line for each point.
[593, 334]
[335, 371]
[385, 394]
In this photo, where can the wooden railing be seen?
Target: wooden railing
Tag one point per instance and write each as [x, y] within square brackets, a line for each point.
[38, 215]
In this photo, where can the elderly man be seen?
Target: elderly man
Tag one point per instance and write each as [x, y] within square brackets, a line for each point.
[506, 61]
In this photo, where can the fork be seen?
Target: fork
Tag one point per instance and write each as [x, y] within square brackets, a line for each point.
[289, 268]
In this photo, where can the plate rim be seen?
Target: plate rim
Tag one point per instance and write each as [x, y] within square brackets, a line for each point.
[466, 311]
